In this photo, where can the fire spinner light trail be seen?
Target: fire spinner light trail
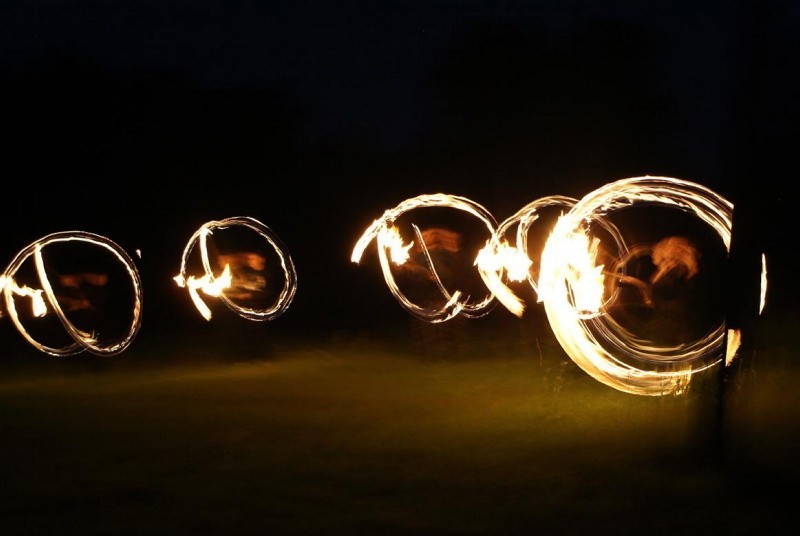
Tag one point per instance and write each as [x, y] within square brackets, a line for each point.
[82, 340]
[573, 286]
[217, 286]
[391, 245]
[500, 261]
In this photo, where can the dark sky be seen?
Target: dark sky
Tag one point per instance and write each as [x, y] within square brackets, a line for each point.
[367, 68]
[142, 120]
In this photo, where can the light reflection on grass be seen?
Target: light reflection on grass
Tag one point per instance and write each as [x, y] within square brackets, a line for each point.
[352, 437]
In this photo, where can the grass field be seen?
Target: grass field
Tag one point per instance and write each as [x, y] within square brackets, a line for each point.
[360, 435]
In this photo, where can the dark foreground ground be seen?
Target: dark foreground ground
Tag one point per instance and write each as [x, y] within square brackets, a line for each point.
[353, 435]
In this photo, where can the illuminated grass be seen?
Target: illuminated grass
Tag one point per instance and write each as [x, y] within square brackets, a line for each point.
[353, 437]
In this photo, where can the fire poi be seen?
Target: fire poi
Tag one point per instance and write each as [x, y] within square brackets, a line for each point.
[393, 254]
[242, 276]
[593, 265]
[586, 269]
[73, 297]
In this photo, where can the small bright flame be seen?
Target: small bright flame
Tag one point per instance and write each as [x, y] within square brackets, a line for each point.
[763, 297]
[392, 240]
[208, 284]
[497, 260]
[38, 306]
[504, 257]
[584, 279]
[733, 342]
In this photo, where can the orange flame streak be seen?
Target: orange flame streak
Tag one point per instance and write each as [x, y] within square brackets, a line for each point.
[762, 301]
[38, 305]
[210, 285]
[497, 260]
[733, 342]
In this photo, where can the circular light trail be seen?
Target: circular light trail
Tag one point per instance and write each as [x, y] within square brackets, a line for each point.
[581, 266]
[393, 250]
[217, 286]
[598, 344]
[83, 341]
[500, 261]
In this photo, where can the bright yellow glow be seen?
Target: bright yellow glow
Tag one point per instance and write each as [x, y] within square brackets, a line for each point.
[763, 295]
[584, 278]
[497, 259]
[210, 285]
[398, 251]
[505, 257]
[734, 341]
[38, 306]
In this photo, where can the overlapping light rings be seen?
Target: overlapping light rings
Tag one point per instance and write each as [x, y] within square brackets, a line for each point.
[570, 283]
[200, 237]
[499, 261]
[83, 341]
[389, 245]
[596, 343]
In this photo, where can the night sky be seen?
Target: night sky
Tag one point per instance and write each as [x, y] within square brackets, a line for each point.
[142, 120]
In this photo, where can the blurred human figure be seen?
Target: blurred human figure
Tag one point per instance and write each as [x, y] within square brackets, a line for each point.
[675, 257]
[442, 245]
[247, 273]
[670, 295]
[79, 291]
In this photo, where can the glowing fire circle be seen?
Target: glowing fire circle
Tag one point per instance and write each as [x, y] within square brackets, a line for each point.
[218, 286]
[500, 262]
[393, 250]
[83, 341]
[599, 345]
